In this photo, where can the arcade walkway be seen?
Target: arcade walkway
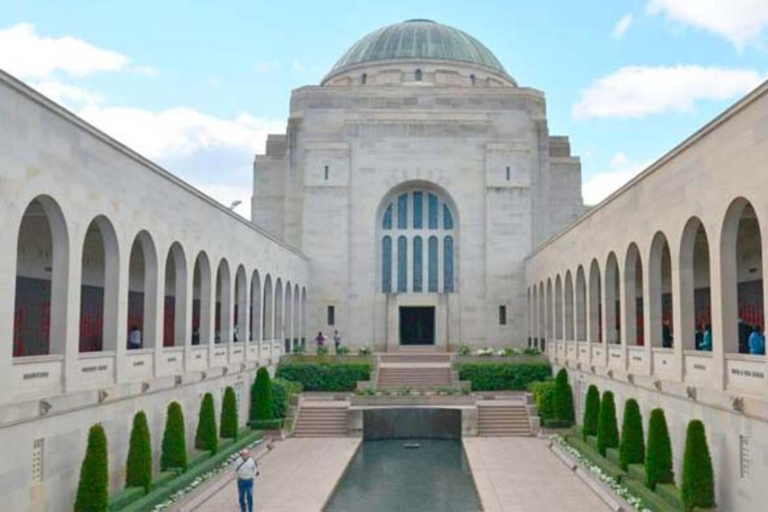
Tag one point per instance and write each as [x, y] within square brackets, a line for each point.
[520, 474]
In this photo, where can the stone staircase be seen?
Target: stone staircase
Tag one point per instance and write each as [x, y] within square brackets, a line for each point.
[414, 370]
[322, 419]
[498, 418]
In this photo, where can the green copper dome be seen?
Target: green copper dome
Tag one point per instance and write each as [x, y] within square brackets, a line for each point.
[419, 39]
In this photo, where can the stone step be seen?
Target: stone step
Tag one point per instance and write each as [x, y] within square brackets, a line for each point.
[321, 421]
[502, 420]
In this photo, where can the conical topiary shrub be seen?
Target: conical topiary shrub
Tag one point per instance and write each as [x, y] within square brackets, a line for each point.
[591, 412]
[632, 446]
[563, 399]
[261, 396]
[698, 489]
[229, 414]
[93, 488]
[658, 454]
[607, 429]
[174, 450]
[138, 468]
[205, 437]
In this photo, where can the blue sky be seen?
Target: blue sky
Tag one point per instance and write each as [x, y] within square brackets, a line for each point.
[196, 85]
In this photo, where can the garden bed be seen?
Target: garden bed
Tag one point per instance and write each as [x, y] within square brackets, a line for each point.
[504, 373]
[326, 373]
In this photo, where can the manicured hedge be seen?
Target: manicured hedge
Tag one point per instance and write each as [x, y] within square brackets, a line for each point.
[632, 446]
[564, 412]
[607, 428]
[325, 375]
[591, 412]
[206, 437]
[261, 396]
[93, 487]
[138, 468]
[174, 447]
[494, 376]
[658, 456]
[698, 488]
[282, 391]
[544, 398]
[229, 414]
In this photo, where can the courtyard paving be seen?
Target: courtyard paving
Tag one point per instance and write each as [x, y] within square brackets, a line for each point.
[521, 474]
[298, 475]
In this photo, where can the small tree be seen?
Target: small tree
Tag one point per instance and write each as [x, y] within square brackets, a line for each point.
[563, 398]
[174, 450]
[658, 456]
[261, 396]
[229, 414]
[698, 488]
[205, 437]
[607, 429]
[93, 487]
[632, 446]
[591, 412]
[138, 468]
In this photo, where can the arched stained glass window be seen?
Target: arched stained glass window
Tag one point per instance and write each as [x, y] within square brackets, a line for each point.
[417, 210]
[433, 264]
[386, 265]
[417, 265]
[387, 222]
[448, 264]
[432, 199]
[402, 212]
[447, 217]
[402, 264]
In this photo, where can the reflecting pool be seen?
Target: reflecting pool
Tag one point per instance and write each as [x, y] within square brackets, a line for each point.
[388, 476]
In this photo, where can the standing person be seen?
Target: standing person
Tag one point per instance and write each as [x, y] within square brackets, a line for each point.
[134, 338]
[706, 341]
[756, 342]
[666, 335]
[246, 471]
[320, 339]
[336, 340]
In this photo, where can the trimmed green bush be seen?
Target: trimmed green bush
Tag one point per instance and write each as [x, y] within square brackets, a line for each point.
[174, 449]
[544, 398]
[282, 391]
[607, 429]
[206, 437]
[229, 414]
[512, 375]
[632, 445]
[591, 412]
[563, 399]
[698, 488]
[261, 396]
[658, 455]
[138, 469]
[325, 375]
[93, 487]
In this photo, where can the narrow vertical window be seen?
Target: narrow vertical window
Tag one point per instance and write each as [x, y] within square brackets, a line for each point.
[402, 212]
[502, 315]
[386, 265]
[417, 265]
[417, 75]
[326, 172]
[386, 222]
[402, 264]
[417, 210]
[447, 217]
[331, 315]
[432, 264]
[508, 173]
[448, 264]
[432, 201]
[364, 79]
[472, 79]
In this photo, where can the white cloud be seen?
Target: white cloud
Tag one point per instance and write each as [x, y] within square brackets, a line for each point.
[739, 21]
[622, 26]
[639, 91]
[262, 67]
[601, 185]
[25, 54]
[298, 66]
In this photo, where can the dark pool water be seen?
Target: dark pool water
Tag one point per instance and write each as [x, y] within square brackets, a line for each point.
[385, 476]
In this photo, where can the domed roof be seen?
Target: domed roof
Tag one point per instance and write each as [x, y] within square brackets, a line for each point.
[419, 39]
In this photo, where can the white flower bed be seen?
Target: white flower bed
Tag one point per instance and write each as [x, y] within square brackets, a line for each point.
[194, 484]
[611, 482]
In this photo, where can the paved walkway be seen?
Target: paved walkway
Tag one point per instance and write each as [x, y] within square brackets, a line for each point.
[299, 475]
[521, 474]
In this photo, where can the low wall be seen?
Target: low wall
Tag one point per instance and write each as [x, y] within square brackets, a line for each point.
[411, 422]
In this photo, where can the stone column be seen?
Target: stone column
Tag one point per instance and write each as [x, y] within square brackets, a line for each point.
[677, 312]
